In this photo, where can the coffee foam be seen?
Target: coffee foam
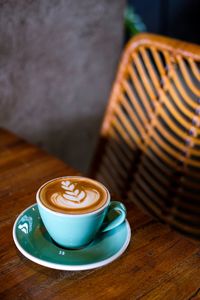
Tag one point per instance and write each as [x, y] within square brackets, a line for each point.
[73, 195]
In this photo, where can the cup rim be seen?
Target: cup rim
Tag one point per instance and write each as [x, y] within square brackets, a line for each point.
[39, 202]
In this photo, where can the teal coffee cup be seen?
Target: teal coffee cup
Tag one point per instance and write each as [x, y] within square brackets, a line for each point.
[75, 209]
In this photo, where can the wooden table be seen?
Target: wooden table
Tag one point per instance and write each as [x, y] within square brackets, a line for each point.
[158, 264]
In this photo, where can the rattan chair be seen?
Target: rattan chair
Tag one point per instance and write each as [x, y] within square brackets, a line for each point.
[149, 147]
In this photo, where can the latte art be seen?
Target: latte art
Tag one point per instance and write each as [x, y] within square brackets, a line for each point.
[73, 192]
[74, 195]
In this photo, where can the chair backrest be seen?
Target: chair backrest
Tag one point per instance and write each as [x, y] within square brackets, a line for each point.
[149, 148]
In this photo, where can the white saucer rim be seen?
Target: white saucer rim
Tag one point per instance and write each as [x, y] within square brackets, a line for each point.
[70, 267]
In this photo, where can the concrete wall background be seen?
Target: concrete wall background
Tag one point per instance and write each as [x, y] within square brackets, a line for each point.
[57, 63]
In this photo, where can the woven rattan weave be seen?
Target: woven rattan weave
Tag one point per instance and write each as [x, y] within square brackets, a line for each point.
[149, 147]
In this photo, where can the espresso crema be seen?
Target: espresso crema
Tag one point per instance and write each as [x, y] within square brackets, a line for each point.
[73, 195]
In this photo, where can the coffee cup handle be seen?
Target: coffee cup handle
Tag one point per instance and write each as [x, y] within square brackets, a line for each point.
[114, 219]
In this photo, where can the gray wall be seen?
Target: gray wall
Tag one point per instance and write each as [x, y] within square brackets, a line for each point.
[57, 63]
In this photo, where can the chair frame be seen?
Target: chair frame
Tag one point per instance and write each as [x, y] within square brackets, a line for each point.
[176, 52]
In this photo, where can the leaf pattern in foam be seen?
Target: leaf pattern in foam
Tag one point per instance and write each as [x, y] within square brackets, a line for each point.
[71, 192]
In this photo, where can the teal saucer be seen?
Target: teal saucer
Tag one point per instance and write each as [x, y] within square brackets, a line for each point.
[34, 242]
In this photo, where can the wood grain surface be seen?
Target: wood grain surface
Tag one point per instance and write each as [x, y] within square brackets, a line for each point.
[158, 264]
